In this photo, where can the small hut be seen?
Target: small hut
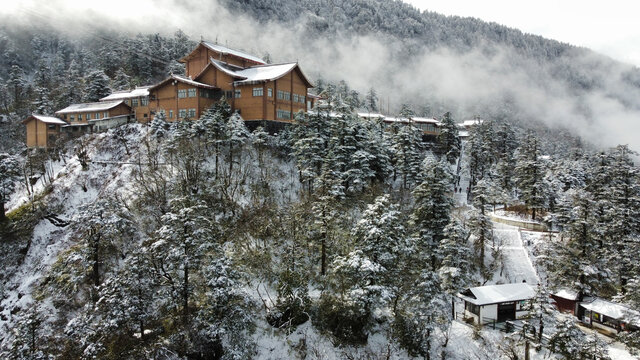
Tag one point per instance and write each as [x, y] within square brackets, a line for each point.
[497, 303]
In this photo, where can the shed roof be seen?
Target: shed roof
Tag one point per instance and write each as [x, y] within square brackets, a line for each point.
[95, 106]
[613, 310]
[493, 294]
[118, 95]
[566, 294]
[46, 119]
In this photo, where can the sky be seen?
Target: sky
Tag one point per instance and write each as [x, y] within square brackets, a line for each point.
[609, 27]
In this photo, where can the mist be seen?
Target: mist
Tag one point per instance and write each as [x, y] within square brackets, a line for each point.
[476, 82]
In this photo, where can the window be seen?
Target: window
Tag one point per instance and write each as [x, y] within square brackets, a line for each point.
[182, 113]
[88, 116]
[192, 113]
[97, 115]
[52, 127]
[182, 93]
[269, 92]
[280, 95]
[472, 308]
[126, 102]
[295, 97]
[72, 117]
[228, 94]
[258, 91]
[237, 93]
[170, 114]
[287, 95]
[144, 101]
[105, 114]
[283, 114]
[192, 92]
[206, 93]
[79, 117]
[134, 102]
[301, 98]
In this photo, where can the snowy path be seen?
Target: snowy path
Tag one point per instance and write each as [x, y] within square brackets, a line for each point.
[517, 265]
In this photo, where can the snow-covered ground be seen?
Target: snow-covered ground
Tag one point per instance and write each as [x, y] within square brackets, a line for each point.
[517, 266]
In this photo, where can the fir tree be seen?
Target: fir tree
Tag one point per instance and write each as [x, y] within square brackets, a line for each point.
[9, 172]
[96, 86]
[529, 175]
[432, 209]
[449, 143]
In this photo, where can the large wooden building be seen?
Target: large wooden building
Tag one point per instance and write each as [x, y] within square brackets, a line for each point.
[269, 94]
[258, 91]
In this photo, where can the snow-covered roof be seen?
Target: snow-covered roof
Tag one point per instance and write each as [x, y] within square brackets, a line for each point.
[264, 73]
[227, 51]
[189, 81]
[492, 294]
[474, 122]
[371, 115]
[613, 310]
[119, 95]
[417, 120]
[182, 79]
[96, 106]
[255, 74]
[49, 119]
[567, 294]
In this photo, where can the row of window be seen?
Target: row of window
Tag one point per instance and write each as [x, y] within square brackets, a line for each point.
[283, 114]
[183, 93]
[183, 113]
[87, 116]
[144, 101]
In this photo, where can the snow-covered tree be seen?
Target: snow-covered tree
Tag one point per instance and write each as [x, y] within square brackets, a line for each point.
[432, 209]
[456, 264]
[407, 148]
[530, 171]
[371, 100]
[9, 172]
[449, 143]
[96, 86]
[121, 81]
[179, 250]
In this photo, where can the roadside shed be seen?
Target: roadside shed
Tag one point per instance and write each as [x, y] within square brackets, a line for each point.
[497, 303]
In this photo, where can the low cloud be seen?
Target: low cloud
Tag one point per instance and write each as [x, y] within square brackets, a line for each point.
[469, 83]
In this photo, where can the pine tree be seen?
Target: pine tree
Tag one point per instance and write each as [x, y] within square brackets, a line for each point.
[407, 150]
[9, 172]
[179, 250]
[121, 81]
[455, 268]
[449, 143]
[529, 175]
[42, 105]
[97, 86]
[371, 101]
[432, 209]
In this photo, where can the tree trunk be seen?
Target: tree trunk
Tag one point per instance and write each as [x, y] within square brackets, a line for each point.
[323, 261]
[3, 216]
[185, 296]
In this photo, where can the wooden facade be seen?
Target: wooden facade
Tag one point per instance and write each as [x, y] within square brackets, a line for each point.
[137, 99]
[81, 113]
[42, 131]
[181, 98]
[258, 91]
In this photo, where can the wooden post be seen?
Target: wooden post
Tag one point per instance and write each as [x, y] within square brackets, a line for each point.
[526, 350]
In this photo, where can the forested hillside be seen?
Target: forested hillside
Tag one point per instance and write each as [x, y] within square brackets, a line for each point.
[338, 237]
